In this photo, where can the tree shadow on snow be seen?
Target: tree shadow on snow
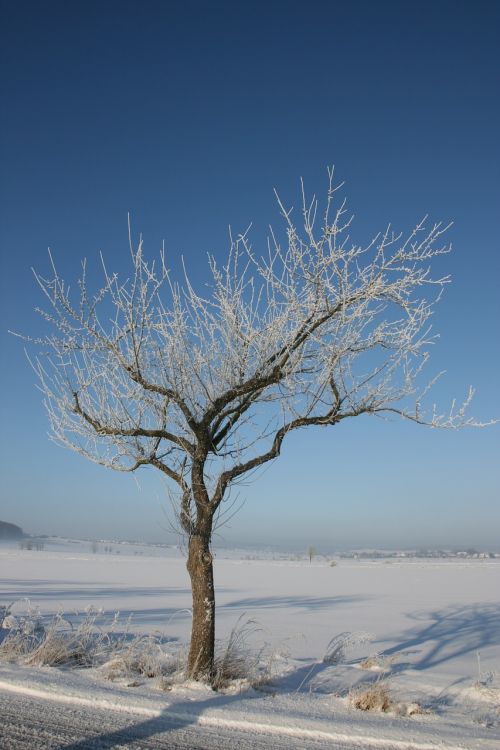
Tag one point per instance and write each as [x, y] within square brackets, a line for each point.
[37, 590]
[450, 634]
[301, 602]
[445, 634]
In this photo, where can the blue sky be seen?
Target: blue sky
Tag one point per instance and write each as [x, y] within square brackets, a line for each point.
[187, 115]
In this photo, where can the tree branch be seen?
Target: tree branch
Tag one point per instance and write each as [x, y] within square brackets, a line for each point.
[161, 434]
[230, 475]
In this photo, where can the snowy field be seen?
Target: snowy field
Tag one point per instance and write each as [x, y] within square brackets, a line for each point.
[427, 631]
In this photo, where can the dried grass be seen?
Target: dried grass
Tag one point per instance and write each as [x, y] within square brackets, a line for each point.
[143, 657]
[376, 697]
[341, 643]
[380, 662]
[235, 659]
[59, 642]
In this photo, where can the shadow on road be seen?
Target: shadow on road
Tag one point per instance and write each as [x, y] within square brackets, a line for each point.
[175, 717]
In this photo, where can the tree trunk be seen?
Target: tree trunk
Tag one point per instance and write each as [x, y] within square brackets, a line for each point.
[200, 568]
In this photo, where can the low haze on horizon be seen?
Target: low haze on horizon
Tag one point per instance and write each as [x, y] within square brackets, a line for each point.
[187, 115]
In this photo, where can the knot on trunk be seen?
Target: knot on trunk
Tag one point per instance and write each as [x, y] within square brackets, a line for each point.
[206, 558]
[200, 558]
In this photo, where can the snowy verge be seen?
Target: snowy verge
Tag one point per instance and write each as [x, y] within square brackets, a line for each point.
[310, 717]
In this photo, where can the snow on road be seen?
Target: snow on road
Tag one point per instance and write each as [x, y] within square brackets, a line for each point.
[31, 723]
[51, 718]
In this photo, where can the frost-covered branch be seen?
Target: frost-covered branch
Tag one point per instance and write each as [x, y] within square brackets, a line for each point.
[148, 371]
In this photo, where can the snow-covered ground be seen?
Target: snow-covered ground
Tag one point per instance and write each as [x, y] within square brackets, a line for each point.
[431, 627]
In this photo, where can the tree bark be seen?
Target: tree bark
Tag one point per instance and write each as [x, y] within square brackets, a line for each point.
[200, 567]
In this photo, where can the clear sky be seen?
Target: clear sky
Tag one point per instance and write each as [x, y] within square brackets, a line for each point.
[187, 114]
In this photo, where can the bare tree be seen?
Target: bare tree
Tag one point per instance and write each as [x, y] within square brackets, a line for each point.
[205, 388]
